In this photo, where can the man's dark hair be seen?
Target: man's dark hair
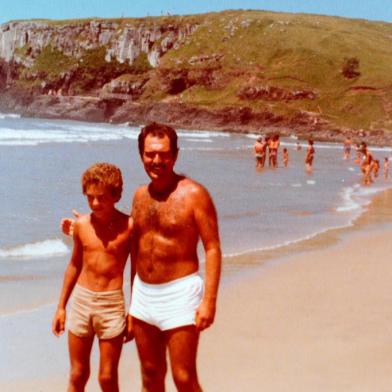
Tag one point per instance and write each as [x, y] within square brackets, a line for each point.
[159, 130]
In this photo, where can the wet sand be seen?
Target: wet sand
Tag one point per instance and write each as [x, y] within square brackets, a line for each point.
[314, 318]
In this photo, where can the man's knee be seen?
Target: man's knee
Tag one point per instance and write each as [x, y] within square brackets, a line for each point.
[153, 373]
[185, 379]
[79, 375]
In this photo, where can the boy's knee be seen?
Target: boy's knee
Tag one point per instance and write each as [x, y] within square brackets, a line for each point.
[79, 375]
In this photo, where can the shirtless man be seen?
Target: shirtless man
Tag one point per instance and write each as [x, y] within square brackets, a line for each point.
[386, 168]
[95, 276]
[347, 148]
[309, 157]
[285, 157]
[367, 165]
[169, 306]
[273, 151]
[259, 149]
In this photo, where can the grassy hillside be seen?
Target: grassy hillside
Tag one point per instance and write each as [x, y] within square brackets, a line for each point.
[295, 51]
[337, 69]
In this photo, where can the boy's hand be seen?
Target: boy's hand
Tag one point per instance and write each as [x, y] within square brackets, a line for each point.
[58, 323]
[128, 334]
[67, 224]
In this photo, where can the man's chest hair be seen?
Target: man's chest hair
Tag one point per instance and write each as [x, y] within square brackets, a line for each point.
[170, 215]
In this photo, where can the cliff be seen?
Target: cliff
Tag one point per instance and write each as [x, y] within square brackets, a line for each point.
[234, 70]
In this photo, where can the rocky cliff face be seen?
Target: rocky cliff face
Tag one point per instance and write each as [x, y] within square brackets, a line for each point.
[123, 41]
[237, 70]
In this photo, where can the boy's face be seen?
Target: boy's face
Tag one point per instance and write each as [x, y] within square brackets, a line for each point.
[100, 200]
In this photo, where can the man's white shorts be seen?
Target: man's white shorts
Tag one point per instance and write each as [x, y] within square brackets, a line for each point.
[167, 305]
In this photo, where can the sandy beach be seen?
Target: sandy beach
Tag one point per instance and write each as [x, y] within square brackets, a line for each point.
[316, 321]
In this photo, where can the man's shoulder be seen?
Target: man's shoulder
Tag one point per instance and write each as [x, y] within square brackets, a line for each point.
[140, 191]
[193, 188]
[190, 184]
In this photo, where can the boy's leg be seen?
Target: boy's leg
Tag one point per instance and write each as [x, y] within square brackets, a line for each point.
[182, 343]
[151, 347]
[110, 351]
[79, 352]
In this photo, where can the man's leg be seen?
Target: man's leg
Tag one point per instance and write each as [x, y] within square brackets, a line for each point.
[151, 347]
[110, 351]
[182, 343]
[79, 352]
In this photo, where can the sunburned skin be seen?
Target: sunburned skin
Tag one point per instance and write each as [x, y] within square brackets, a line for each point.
[105, 251]
[166, 231]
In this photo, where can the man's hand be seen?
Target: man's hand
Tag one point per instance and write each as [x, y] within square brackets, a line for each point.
[128, 335]
[58, 323]
[205, 315]
[67, 224]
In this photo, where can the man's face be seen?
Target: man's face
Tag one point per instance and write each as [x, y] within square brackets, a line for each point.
[100, 200]
[158, 159]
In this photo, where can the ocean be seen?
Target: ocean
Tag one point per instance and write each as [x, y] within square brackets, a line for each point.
[41, 164]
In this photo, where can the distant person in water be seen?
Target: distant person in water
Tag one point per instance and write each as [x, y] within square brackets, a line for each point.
[298, 147]
[309, 157]
[347, 148]
[367, 165]
[285, 157]
[358, 154]
[259, 151]
[376, 167]
[94, 276]
[386, 168]
[273, 147]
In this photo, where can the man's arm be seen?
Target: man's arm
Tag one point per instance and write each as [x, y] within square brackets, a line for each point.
[71, 275]
[67, 224]
[207, 223]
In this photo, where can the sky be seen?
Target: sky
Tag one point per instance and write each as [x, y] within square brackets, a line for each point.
[71, 9]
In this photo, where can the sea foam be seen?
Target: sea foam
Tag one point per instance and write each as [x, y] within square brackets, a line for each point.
[47, 248]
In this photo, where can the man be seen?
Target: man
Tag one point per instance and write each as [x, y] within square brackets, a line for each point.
[259, 151]
[169, 306]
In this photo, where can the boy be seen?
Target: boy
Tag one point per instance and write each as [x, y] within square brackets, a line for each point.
[95, 275]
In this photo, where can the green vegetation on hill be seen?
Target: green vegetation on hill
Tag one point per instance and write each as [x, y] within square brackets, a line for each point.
[335, 68]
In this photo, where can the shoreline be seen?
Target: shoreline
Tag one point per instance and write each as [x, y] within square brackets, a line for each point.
[375, 214]
[186, 116]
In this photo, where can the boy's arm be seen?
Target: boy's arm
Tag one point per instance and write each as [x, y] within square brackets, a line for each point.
[70, 277]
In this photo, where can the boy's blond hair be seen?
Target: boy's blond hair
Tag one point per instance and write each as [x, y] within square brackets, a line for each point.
[105, 174]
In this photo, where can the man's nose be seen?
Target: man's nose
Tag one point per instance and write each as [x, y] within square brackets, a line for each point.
[157, 158]
[95, 202]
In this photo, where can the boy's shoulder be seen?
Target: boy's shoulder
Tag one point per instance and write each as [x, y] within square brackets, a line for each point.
[82, 221]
